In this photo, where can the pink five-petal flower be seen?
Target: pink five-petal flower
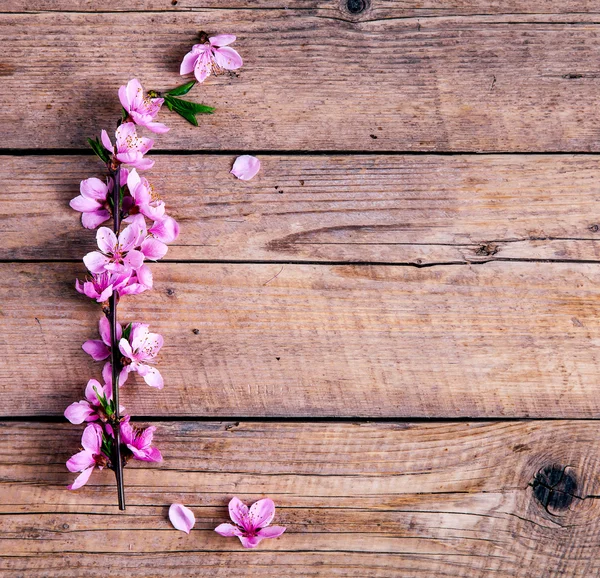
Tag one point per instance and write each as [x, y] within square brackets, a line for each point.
[144, 197]
[141, 108]
[214, 56]
[250, 525]
[130, 148]
[182, 518]
[89, 458]
[100, 349]
[102, 285]
[141, 349]
[116, 255]
[245, 167]
[92, 202]
[139, 441]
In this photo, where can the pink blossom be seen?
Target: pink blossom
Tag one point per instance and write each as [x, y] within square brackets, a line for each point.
[149, 245]
[214, 56]
[250, 526]
[245, 167]
[141, 349]
[89, 458]
[165, 230]
[130, 148]
[100, 286]
[92, 202]
[144, 197]
[139, 441]
[117, 255]
[100, 349]
[87, 409]
[140, 107]
[182, 518]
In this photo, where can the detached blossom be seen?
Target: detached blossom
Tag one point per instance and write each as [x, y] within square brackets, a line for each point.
[139, 441]
[141, 349]
[89, 458]
[214, 56]
[130, 148]
[144, 197]
[140, 107]
[92, 202]
[117, 255]
[251, 525]
[97, 349]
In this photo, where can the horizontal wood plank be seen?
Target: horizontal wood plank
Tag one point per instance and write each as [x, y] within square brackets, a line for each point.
[311, 82]
[496, 339]
[361, 500]
[398, 209]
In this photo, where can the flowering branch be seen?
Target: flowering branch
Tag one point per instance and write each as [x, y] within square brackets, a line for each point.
[119, 266]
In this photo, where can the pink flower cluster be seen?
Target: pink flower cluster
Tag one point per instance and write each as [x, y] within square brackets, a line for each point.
[116, 268]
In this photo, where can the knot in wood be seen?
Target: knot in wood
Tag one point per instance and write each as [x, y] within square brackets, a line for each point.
[356, 6]
[555, 487]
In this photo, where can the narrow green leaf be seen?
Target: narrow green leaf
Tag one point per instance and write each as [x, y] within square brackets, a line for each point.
[99, 150]
[182, 89]
[188, 116]
[187, 106]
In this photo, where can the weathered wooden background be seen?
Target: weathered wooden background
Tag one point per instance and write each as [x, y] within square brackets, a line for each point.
[392, 331]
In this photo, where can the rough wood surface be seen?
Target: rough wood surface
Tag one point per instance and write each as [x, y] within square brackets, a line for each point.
[480, 83]
[369, 500]
[495, 339]
[395, 209]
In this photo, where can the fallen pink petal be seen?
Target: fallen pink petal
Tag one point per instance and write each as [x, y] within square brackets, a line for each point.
[245, 167]
[182, 518]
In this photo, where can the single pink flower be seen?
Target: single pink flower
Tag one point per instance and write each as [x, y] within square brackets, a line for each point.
[245, 167]
[182, 518]
[139, 441]
[87, 409]
[251, 525]
[141, 349]
[144, 197]
[130, 148]
[89, 458]
[100, 286]
[117, 255]
[140, 107]
[151, 247]
[92, 202]
[214, 56]
[100, 349]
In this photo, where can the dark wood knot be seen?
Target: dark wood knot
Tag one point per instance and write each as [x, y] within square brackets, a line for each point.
[357, 6]
[555, 487]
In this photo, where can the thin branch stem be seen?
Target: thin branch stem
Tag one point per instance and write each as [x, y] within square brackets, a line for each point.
[117, 459]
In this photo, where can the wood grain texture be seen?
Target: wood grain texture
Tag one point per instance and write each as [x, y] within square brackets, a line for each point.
[369, 500]
[497, 339]
[310, 82]
[395, 209]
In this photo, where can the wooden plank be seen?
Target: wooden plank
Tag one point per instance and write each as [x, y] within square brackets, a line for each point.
[480, 83]
[342, 9]
[402, 209]
[496, 339]
[362, 500]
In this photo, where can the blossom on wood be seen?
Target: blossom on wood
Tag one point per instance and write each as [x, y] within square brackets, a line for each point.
[130, 148]
[92, 202]
[251, 525]
[144, 197]
[117, 254]
[182, 518]
[140, 107]
[139, 440]
[140, 350]
[211, 57]
[89, 458]
[100, 286]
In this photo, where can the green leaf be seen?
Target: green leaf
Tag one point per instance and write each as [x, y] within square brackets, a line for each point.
[188, 116]
[99, 149]
[180, 105]
[182, 89]
[127, 332]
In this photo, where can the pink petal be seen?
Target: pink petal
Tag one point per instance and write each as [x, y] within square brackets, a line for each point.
[221, 39]
[91, 440]
[123, 133]
[104, 330]
[203, 67]
[238, 512]
[80, 461]
[157, 127]
[151, 375]
[92, 220]
[96, 349]
[84, 205]
[181, 517]
[144, 276]
[107, 240]
[133, 180]
[141, 163]
[106, 141]
[134, 259]
[245, 167]
[81, 479]
[227, 58]
[271, 531]
[95, 261]
[79, 412]
[123, 98]
[228, 530]
[125, 348]
[93, 189]
[261, 513]
[188, 63]
[128, 237]
[153, 249]
[135, 93]
[165, 230]
[90, 391]
[250, 542]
